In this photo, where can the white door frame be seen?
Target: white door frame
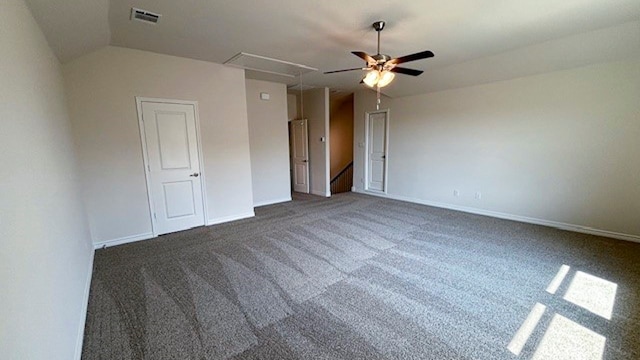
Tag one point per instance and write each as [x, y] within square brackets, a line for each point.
[367, 115]
[145, 156]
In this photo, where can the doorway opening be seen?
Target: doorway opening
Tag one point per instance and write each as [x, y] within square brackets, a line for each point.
[309, 140]
[341, 149]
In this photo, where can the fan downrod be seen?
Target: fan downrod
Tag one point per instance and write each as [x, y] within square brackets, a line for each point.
[378, 26]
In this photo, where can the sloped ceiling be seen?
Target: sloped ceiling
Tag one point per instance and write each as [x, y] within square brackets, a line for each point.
[474, 41]
[73, 27]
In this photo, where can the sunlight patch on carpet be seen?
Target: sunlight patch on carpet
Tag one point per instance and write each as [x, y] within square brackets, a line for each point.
[522, 335]
[566, 339]
[558, 279]
[592, 293]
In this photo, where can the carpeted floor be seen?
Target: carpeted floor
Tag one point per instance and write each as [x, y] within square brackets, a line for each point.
[360, 277]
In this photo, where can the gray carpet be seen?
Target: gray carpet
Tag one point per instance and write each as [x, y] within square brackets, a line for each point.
[360, 277]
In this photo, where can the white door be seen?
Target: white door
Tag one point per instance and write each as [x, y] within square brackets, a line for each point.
[377, 150]
[299, 139]
[173, 165]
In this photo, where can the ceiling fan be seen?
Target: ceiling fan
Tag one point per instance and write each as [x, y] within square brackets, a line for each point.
[381, 68]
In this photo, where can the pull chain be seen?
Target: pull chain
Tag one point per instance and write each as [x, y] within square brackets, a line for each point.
[378, 98]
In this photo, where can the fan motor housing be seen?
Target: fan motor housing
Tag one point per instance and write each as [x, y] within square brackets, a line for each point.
[381, 58]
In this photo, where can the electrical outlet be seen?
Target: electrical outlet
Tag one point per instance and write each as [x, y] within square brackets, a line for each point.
[478, 195]
[456, 193]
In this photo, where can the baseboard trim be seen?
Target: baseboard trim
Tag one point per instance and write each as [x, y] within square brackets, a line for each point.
[519, 218]
[85, 308]
[271, 202]
[123, 240]
[225, 219]
[320, 193]
[147, 236]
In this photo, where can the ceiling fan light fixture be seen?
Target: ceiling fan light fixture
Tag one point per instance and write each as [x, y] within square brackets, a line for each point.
[372, 77]
[381, 68]
[378, 78]
[385, 78]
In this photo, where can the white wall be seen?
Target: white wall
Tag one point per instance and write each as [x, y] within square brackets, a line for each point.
[101, 89]
[316, 110]
[269, 142]
[560, 147]
[46, 256]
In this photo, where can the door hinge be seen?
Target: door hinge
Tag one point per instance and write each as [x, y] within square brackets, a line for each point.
[155, 216]
[149, 168]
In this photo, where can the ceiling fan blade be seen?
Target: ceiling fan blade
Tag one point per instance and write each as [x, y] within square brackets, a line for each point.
[364, 56]
[406, 71]
[412, 57]
[337, 71]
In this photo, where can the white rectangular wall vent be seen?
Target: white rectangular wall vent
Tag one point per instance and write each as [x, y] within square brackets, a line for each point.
[144, 15]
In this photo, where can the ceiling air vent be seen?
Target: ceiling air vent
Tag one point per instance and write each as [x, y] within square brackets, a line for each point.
[144, 15]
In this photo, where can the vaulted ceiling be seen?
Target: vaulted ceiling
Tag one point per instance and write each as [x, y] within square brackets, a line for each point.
[474, 41]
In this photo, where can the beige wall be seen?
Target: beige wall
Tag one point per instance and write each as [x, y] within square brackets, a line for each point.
[292, 106]
[269, 142]
[316, 110]
[559, 147]
[46, 256]
[341, 130]
[101, 89]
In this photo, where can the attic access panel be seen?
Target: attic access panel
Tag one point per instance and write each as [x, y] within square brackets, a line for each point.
[268, 65]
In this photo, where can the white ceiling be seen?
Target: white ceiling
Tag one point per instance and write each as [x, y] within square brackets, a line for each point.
[474, 41]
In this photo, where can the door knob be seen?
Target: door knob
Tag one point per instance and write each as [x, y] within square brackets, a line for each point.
[305, 160]
[195, 175]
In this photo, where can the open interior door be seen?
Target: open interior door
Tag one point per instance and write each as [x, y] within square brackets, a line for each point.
[299, 138]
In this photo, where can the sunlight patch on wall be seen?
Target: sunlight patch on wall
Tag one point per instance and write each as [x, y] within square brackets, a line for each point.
[565, 339]
[592, 293]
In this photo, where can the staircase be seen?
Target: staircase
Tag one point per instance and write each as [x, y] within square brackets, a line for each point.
[343, 181]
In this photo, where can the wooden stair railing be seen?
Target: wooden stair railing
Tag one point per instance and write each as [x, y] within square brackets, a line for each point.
[343, 181]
